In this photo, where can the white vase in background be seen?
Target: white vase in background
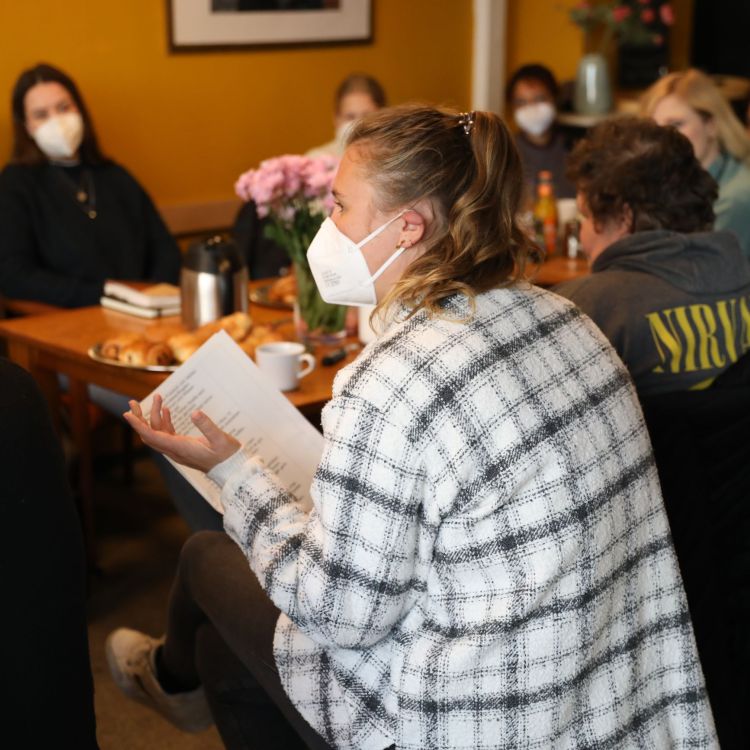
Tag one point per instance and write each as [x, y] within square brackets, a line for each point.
[593, 90]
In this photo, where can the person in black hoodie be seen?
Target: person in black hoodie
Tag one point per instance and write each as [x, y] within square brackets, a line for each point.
[69, 217]
[670, 294]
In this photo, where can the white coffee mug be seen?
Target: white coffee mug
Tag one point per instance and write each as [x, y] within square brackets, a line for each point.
[281, 360]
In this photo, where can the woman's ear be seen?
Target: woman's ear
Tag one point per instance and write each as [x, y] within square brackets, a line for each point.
[415, 223]
[412, 228]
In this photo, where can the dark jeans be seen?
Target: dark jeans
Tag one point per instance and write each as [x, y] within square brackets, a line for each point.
[220, 633]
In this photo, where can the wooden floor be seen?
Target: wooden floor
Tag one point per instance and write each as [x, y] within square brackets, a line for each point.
[139, 537]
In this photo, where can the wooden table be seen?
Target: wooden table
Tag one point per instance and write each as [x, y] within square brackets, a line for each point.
[58, 342]
[557, 269]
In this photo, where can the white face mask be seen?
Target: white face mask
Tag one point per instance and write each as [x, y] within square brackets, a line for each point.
[339, 267]
[535, 119]
[60, 136]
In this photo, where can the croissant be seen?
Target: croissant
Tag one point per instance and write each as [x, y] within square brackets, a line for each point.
[283, 290]
[143, 353]
[183, 345]
[260, 335]
[111, 347]
[237, 325]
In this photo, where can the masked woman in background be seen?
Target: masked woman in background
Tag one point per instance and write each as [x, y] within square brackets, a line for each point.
[532, 93]
[70, 218]
[486, 561]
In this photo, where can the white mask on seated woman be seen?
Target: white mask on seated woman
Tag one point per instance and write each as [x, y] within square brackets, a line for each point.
[339, 267]
[60, 136]
[535, 119]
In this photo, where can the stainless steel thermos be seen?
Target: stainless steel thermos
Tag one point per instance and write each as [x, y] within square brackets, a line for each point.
[213, 281]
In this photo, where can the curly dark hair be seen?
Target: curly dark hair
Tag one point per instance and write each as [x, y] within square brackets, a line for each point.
[632, 165]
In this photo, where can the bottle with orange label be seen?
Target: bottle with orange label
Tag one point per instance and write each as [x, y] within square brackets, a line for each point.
[545, 214]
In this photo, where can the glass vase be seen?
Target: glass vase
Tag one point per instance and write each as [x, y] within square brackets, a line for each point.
[316, 321]
[593, 91]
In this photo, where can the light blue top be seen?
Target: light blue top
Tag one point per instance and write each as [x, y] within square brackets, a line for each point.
[733, 205]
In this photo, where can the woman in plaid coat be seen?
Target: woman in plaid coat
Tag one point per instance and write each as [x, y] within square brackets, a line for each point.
[487, 562]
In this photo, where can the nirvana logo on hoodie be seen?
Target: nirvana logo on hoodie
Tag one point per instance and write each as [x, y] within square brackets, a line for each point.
[705, 336]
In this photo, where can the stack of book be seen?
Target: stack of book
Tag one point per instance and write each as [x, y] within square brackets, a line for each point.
[141, 299]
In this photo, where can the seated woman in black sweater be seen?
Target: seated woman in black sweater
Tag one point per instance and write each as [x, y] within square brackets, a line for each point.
[70, 218]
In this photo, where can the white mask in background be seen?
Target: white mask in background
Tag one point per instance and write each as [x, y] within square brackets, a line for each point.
[343, 130]
[60, 136]
[339, 267]
[535, 119]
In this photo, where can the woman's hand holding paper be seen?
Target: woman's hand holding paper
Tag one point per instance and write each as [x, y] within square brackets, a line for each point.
[202, 453]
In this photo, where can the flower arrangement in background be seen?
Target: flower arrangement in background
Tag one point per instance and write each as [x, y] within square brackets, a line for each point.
[294, 194]
[632, 22]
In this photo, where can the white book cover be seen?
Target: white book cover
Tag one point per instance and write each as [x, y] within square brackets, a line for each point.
[142, 312]
[222, 381]
[155, 295]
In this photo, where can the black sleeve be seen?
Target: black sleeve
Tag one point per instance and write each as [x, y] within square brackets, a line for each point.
[264, 257]
[163, 255]
[22, 275]
[42, 569]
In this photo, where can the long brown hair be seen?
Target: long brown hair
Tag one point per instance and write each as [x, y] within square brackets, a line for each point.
[25, 151]
[469, 169]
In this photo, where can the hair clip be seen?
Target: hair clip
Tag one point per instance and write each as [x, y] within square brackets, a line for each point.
[466, 121]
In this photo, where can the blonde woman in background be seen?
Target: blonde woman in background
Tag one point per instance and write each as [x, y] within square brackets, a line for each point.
[356, 96]
[692, 103]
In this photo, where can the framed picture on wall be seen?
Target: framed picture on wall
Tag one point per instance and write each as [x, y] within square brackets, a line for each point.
[196, 25]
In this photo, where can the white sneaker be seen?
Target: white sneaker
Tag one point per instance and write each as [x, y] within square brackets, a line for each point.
[130, 656]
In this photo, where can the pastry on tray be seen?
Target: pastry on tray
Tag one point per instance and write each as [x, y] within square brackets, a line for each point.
[112, 347]
[143, 353]
[138, 351]
[283, 290]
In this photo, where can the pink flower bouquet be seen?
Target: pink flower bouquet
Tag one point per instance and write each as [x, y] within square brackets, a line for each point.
[632, 22]
[294, 194]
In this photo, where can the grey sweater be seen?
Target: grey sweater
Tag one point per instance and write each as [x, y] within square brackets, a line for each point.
[675, 307]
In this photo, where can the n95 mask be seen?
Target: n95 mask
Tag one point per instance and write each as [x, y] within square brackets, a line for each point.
[535, 119]
[339, 267]
[60, 136]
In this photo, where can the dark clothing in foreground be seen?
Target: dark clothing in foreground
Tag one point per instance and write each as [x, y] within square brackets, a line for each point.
[701, 442]
[220, 633]
[52, 251]
[265, 258]
[676, 307]
[48, 700]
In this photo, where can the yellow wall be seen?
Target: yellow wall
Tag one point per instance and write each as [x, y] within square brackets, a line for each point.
[187, 124]
[540, 31]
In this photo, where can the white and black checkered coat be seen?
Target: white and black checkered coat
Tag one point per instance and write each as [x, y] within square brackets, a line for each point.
[488, 562]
